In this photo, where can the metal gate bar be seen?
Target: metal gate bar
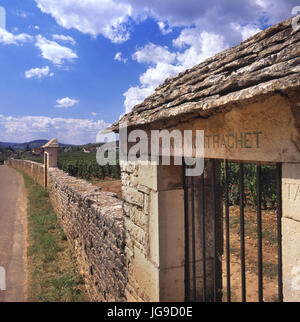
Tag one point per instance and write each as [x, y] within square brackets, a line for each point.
[203, 236]
[227, 227]
[242, 231]
[279, 230]
[193, 240]
[186, 235]
[214, 201]
[259, 234]
[190, 227]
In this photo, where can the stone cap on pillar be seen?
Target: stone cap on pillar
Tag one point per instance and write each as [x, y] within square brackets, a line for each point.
[51, 144]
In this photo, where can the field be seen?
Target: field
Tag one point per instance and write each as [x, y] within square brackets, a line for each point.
[84, 165]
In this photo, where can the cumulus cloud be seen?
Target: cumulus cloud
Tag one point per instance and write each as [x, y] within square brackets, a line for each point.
[111, 18]
[247, 30]
[67, 130]
[154, 54]
[195, 47]
[53, 51]
[201, 45]
[207, 28]
[106, 17]
[135, 95]
[164, 28]
[38, 72]
[66, 102]
[7, 38]
[153, 77]
[63, 38]
[119, 57]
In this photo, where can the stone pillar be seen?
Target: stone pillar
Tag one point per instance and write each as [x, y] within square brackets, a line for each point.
[50, 158]
[155, 237]
[291, 231]
[50, 149]
[140, 205]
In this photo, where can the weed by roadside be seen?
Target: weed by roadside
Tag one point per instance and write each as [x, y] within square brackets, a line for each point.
[53, 275]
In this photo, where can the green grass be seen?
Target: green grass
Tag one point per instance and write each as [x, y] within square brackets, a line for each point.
[52, 265]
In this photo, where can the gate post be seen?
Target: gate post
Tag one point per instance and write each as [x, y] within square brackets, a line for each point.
[291, 231]
[50, 157]
[153, 203]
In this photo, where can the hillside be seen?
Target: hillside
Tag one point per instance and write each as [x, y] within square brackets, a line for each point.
[32, 145]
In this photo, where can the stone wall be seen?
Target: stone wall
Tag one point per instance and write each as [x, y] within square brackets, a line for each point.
[94, 224]
[34, 169]
[136, 203]
[154, 224]
[291, 231]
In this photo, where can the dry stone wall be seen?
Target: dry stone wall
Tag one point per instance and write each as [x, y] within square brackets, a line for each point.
[137, 196]
[94, 224]
[34, 169]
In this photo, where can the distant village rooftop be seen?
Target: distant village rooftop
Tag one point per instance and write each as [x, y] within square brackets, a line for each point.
[262, 65]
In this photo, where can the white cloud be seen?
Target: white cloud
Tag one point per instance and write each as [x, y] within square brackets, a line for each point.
[67, 130]
[7, 38]
[246, 31]
[135, 95]
[66, 102]
[154, 54]
[119, 57]
[196, 46]
[54, 52]
[201, 46]
[63, 38]
[154, 76]
[208, 27]
[38, 72]
[106, 17]
[93, 113]
[160, 59]
[111, 18]
[164, 28]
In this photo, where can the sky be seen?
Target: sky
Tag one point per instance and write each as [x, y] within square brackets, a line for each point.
[70, 68]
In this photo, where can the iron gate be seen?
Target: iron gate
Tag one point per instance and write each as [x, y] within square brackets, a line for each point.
[208, 231]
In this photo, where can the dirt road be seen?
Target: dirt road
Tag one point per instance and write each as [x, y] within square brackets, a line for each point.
[12, 218]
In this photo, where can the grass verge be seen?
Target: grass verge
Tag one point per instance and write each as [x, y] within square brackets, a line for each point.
[53, 274]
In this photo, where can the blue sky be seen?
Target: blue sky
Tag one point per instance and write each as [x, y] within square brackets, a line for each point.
[69, 68]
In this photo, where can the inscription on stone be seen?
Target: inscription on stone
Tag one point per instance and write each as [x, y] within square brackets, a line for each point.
[293, 191]
[240, 140]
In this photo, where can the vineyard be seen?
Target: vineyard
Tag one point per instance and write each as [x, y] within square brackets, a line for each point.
[268, 179]
[85, 166]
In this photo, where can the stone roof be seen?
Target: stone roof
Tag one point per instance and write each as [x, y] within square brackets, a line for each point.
[266, 63]
[51, 144]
